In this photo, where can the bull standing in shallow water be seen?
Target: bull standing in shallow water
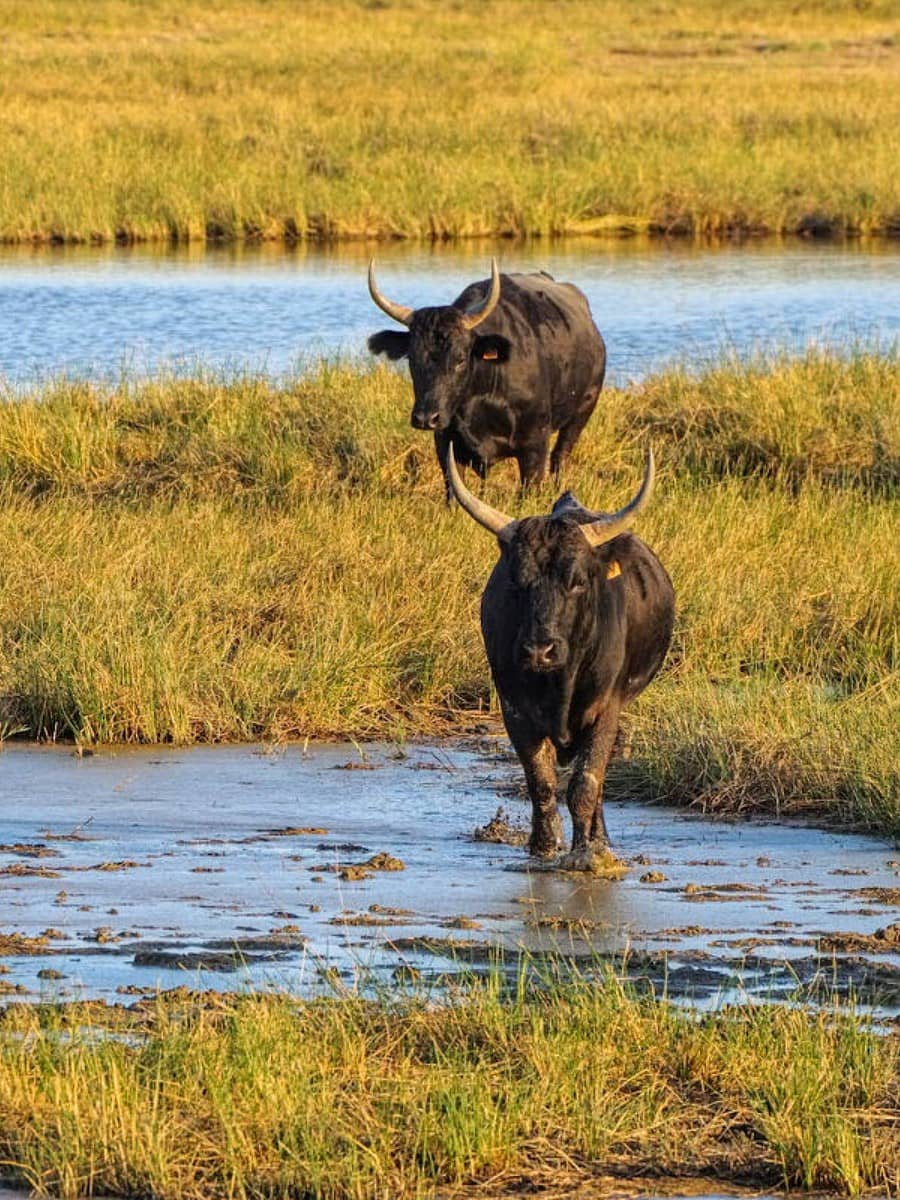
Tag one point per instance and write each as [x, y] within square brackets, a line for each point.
[577, 618]
[513, 359]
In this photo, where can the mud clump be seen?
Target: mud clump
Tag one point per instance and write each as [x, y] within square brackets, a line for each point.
[14, 944]
[23, 869]
[103, 936]
[29, 850]
[367, 919]
[12, 989]
[883, 895]
[500, 831]
[125, 864]
[653, 877]
[572, 924]
[598, 861]
[882, 941]
[377, 915]
[285, 831]
[382, 861]
[723, 891]
[354, 872]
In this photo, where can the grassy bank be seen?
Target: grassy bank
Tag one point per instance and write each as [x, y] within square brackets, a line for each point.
[260, 1097]
[208, 560]
[354, 119]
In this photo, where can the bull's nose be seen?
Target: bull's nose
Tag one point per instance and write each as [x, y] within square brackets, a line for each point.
[543, 655]
[421, 420]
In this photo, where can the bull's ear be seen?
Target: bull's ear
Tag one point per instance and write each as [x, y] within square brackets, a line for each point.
[390, 342]
[491, 347]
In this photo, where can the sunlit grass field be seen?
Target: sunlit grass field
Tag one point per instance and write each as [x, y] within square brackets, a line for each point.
[252, 1096]
[207, 559]
[182, 119]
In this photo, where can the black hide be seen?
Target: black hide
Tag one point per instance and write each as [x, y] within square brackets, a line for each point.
[533, 367]
[572, 634]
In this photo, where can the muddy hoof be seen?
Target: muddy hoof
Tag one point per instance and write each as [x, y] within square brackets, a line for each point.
[597, 860]
[543, 850]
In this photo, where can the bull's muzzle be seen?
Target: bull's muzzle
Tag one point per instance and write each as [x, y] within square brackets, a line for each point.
[426, 420]
[542, 656]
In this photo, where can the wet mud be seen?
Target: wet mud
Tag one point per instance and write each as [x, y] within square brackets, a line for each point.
[124, 873]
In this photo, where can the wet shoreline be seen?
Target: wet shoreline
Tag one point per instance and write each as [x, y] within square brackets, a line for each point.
[224, 868]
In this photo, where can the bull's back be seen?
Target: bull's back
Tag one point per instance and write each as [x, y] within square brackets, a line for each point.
[534, 305]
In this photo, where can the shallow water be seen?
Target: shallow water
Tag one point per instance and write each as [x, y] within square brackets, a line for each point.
[218, 868]
[103, 311]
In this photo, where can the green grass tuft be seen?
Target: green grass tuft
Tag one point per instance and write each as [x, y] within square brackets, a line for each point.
[261, 1096]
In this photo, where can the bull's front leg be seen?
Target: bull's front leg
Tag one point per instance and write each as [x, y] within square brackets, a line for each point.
[442, 440]
[538, 759]
[585, 797]
[532, 460]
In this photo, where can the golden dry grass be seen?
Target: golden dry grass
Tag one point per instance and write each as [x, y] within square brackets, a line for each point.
[267, 118]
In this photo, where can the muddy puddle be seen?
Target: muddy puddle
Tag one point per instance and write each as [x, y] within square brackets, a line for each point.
[124, 872]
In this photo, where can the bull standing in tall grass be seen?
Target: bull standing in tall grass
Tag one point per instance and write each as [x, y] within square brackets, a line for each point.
[513, 359]
[577, 617]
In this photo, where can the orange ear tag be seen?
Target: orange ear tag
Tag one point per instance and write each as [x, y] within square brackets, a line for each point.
[490, 355]
[614, 570]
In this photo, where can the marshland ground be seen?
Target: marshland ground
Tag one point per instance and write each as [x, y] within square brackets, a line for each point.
[210, 559]
[177, 120]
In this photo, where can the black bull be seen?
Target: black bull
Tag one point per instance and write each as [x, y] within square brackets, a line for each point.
[577, 618]
[513, 359]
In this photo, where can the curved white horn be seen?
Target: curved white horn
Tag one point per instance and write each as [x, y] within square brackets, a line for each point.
[499, 524]
[610, 525]
[476, 316]
[399, 312]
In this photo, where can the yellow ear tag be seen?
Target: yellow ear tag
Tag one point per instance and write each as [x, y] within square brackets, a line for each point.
[490, 355]
[614, 570]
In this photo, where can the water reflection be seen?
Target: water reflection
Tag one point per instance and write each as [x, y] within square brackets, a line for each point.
[102, 311]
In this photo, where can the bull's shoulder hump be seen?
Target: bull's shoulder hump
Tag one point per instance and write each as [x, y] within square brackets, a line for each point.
[534, 285]
[540, 283]
[541, 294]
[536, 281]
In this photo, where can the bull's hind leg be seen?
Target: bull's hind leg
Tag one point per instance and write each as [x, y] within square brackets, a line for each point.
[570, 432]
